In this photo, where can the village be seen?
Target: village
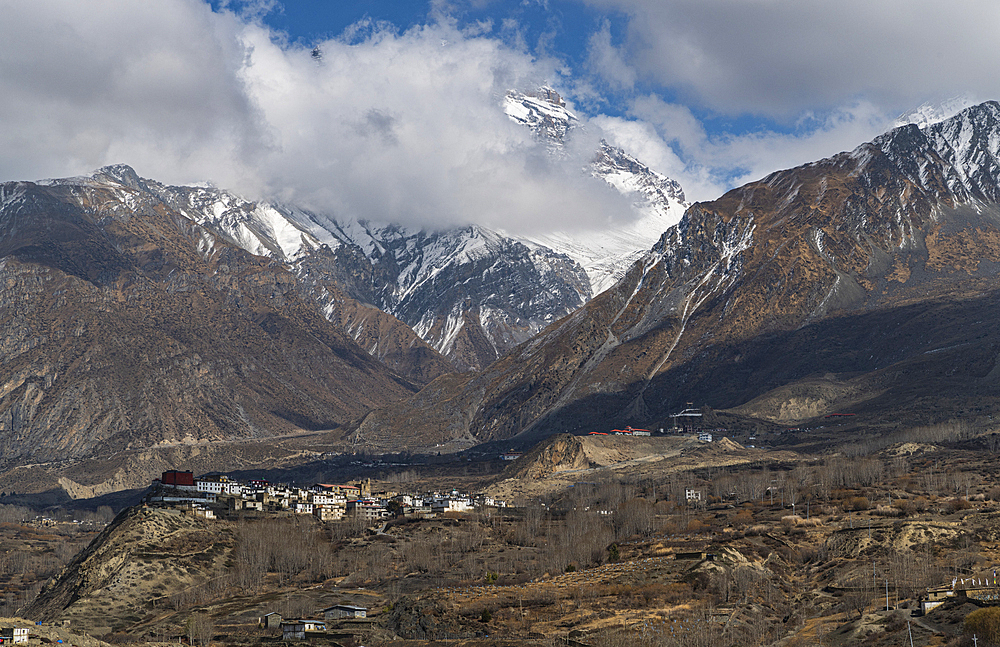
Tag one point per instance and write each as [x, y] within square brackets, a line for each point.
[214, 496]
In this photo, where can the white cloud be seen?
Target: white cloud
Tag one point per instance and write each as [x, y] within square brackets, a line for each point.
[783, 57]
[606, 61]
[405, 127]
[82, 83]
[669, 137]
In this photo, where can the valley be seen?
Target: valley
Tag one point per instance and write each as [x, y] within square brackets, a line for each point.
[472, 323]
[612, 541]
[810, 358]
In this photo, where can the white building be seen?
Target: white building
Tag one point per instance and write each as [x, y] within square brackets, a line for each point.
[216, 485]
[450, 505]
[13, 634]
[297, 629]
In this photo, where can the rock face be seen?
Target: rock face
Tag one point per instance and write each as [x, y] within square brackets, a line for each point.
[469, 293]
[557, 454]
[877, 267]
[126, 324]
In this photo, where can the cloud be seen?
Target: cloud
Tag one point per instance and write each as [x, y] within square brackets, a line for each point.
[605, 61]
[670, 138]
[783, 57]
[405, 127]
[85, 83]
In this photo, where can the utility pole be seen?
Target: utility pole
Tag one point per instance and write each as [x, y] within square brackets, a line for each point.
[887, 594]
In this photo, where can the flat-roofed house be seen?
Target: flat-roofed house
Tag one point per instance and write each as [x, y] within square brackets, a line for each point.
[344, 611]
[299, 629]
[13, 635]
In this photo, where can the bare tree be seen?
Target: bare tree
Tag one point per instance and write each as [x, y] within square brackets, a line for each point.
[860, 593]
[200, 628]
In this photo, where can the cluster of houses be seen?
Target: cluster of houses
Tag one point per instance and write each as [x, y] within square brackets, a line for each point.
[627, 431]
[304, 628]
[212, 494]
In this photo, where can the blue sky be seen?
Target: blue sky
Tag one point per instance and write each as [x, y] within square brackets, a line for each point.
[402, 119]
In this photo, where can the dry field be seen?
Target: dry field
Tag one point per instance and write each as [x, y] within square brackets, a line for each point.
[619, 558]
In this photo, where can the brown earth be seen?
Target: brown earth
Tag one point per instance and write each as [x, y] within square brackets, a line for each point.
[574, 570]
[127, 325]
[563, 460]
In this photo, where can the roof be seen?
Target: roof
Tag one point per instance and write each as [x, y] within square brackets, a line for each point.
[346, 606]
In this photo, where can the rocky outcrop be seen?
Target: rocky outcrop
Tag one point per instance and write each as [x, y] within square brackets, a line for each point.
[557, 454]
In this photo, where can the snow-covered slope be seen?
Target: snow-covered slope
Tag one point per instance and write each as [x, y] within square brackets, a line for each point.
[657, 201]
[544, 112]
[469, 292]
[929, 114]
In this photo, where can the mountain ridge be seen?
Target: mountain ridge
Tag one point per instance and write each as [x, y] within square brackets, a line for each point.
[128, 325]
[908, 220]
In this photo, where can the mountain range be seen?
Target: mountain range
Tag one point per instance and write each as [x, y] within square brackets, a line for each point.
[469, 293]
[864, 283]
[137, 314]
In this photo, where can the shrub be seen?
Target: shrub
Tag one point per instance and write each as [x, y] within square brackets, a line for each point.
[956, 505]
[888, 511]
[985, 623]
[856, 503]
[695, 526]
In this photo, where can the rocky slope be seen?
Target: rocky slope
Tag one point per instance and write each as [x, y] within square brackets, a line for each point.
[878, 267]
[469, 293]
[138, 562]
[125, 325]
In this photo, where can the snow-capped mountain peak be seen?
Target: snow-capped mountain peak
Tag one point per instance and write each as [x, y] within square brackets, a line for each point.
[657, 201]
[933, 113]
[544, 112]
